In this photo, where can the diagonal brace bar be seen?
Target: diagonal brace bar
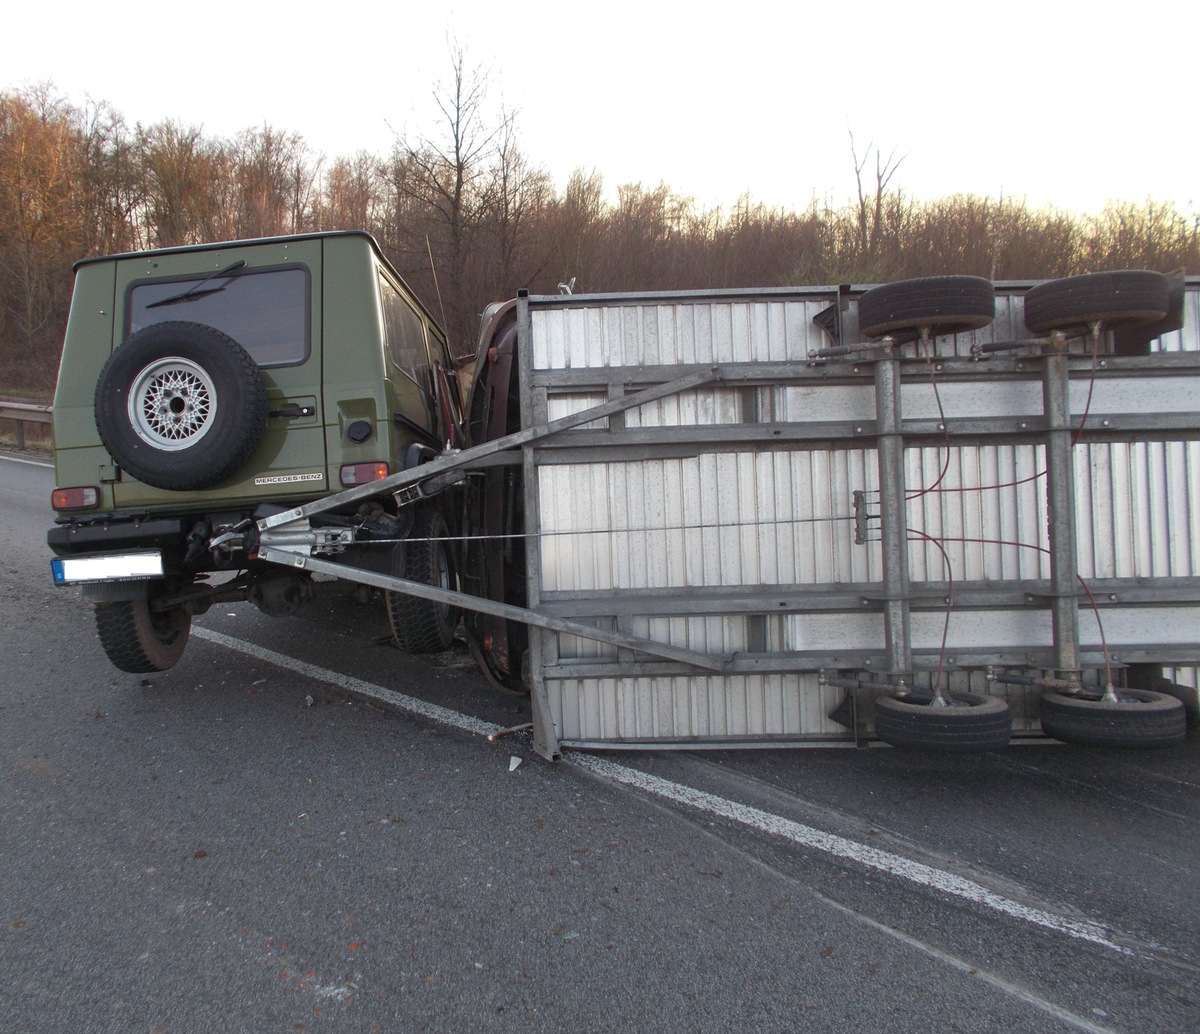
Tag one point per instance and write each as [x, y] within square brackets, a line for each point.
[465, 458]
[289, 554]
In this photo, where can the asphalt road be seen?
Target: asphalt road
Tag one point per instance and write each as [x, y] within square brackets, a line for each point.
[279, 835]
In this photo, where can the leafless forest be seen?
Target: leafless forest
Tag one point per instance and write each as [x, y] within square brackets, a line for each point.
[78, 180]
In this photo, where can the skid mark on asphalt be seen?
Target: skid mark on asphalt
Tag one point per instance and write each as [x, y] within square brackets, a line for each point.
[915, 872]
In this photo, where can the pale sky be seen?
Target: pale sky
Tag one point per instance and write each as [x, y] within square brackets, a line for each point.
[1057, 103]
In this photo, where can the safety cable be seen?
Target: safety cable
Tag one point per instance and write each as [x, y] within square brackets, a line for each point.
[936, 488]
[941, 668]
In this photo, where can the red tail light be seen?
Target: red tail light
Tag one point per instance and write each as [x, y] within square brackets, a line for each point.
[85, 498]
[353, 474]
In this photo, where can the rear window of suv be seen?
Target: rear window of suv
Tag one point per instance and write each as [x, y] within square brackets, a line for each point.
[266, 311]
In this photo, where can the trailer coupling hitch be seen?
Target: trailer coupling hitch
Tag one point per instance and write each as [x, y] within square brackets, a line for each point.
[230, 540]
[223, 543]
[300, 535]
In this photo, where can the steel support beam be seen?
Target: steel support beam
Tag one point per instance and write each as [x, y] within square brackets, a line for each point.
[1060, 506]
[893, 520]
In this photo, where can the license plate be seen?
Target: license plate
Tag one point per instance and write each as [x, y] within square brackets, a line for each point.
[111, 567]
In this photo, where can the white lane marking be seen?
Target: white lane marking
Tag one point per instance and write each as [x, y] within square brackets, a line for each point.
[806, 836]
[1006, 986]
[400, 701]
[753, 818]
[28, 463]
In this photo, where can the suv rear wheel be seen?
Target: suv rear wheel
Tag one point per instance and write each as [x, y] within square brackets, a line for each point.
[418, 625]
[137, 639]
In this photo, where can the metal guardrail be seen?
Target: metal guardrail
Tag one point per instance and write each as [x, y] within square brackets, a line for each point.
[24, 413]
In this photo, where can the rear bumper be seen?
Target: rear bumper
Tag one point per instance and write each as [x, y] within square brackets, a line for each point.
[117, 534]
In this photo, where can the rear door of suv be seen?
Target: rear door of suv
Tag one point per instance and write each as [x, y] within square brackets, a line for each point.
[267, 298]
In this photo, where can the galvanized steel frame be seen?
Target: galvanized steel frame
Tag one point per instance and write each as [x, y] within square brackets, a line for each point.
[1049, 369]
[887, 381]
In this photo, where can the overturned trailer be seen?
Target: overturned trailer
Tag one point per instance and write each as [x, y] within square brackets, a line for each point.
[937, 513]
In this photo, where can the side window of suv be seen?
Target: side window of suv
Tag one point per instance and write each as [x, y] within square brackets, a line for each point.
[405, 330]
[266, 311]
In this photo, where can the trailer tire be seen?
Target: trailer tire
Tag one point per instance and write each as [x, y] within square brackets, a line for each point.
[138, 640]
[1135, 340]
[419, 625]
[181, 406]
[1137, 718]
[944, 304]
[971, 722]
[1121, 298]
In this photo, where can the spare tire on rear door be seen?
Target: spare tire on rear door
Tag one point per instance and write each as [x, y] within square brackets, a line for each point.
[181, 406]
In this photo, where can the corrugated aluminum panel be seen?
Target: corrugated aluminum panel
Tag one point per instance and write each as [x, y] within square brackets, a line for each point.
[694, 707]
[719, 519]
[586, 336]
[978, 510]
[757, 552]
[758, 710]
[1142, 499]
[1187, 339]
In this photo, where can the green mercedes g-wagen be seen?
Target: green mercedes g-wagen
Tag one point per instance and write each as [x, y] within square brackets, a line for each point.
[205, 388]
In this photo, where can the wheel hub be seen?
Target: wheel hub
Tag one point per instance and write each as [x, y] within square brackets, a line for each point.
[172, 404]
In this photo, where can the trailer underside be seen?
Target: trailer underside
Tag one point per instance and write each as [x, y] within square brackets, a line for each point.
[741, 521]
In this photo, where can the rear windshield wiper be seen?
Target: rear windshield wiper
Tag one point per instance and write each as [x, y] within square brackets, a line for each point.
[197, 290]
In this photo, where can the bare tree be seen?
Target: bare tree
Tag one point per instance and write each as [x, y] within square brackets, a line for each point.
[275, 177]
[447, 185]
[352, 195]
[181, 168]
[110, 186]
[878, 211]
[40, 229]
[1152, 235]
[574, 230]
[514, 196]
[465, 200]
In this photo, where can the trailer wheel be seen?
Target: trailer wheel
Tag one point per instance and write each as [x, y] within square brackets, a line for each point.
[181, 406]
[1121, 298]
[423, 626]
[970, 722]
[944, 304]
[1137, 718]
[138, 640]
